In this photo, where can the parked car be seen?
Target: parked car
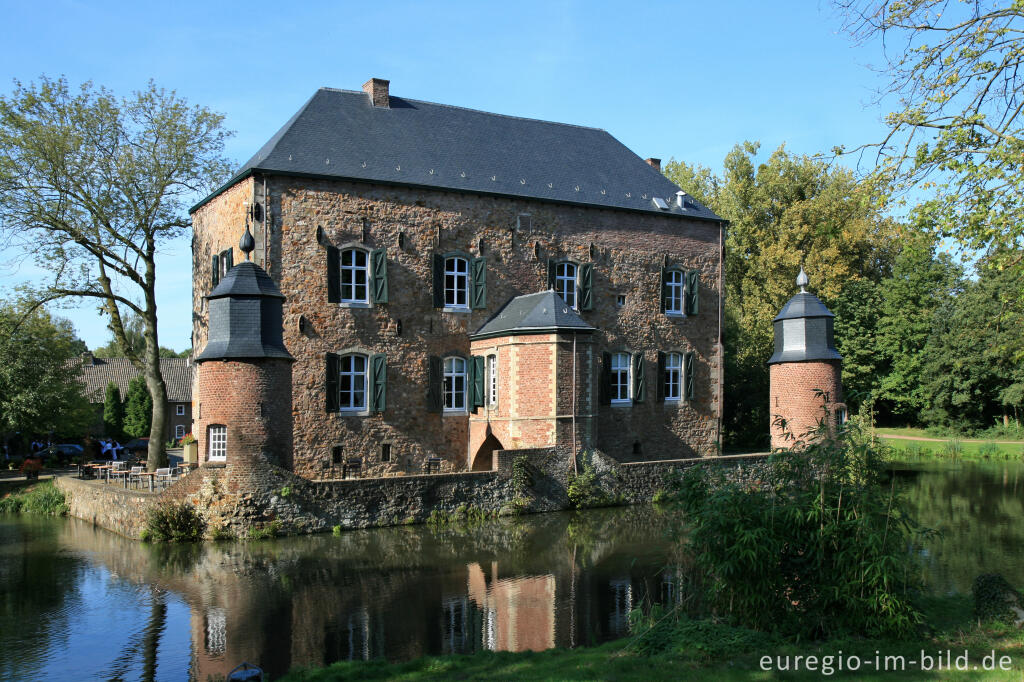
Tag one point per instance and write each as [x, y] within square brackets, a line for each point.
[63, 451]
[138, 445]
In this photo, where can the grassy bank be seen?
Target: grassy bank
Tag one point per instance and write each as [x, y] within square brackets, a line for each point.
[918, 444]
[720, 652]
[31, 497]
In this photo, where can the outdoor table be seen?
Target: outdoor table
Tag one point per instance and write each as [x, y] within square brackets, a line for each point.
[150, 475]
[105, 468]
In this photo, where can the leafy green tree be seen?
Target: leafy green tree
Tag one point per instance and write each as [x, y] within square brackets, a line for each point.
[954, 71]
[922, 281]
[858, 312]
[785, 212]
[971, 373]
[135, 341]
[92, 186]
[113, 411]
[138, 409]
[40, 391]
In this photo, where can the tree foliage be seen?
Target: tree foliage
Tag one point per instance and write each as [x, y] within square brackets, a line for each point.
[40, 391]
[972, 364]
[113, 411]
[954, 69]
[138, 409]
[134, 338]
[91, 187]
[785, 212]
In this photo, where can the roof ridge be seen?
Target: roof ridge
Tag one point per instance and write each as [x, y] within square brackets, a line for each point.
[476, 111]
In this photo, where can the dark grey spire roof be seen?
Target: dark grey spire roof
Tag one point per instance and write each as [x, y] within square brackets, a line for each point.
[245, 317]
[246, 279]
[804, 304]
[804, 331]
[339, 134]
[544, 311]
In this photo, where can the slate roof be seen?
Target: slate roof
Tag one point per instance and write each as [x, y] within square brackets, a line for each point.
[803, 304]
[246, 279]
[544, 311]
[177, 373]
[340, 134]
[245, 315]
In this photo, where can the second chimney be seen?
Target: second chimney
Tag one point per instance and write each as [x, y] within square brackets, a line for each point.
[653, 163]
[377, 89]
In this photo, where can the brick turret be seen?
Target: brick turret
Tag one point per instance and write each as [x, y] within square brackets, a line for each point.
[805, 370]
[244, 411]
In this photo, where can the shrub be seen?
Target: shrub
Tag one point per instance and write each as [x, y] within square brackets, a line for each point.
[174, 522]
[522, 476]
[817, 548]
[989, 451]
[584, 490]
[995, 599]
[265, 532]
[953, 448]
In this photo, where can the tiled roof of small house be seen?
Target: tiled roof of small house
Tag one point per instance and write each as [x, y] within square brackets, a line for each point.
[544, 311]
[340, 134]
[98, 372]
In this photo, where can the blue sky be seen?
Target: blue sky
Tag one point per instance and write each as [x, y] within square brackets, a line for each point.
[684, 80]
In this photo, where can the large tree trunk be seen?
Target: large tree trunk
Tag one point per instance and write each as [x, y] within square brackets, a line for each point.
[157, 455]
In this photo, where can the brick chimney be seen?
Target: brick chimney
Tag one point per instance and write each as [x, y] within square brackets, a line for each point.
[87, 358]
[377, 89]
[653, 163]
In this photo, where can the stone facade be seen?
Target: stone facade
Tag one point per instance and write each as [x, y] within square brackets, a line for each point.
[803, 395]
[302, 217]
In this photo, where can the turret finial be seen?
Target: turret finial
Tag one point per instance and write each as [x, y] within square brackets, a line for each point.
[802, 281]
[247, 243]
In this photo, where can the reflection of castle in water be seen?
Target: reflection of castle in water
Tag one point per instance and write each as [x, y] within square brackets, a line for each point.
[392, 593]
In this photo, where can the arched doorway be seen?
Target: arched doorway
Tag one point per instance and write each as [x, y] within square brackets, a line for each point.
[484, 458]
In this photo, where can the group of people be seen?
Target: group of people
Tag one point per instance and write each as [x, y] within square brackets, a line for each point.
[110, 448]
[38, 445]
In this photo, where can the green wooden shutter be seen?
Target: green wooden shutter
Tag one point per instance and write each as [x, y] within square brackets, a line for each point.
[476, 381]
[333, 275]
[688, 377]
[639, 378]
[229, 259]
[662, 378]
[379, 275]
[378, 382]
[587, 286]
[478, 294]
[438, 280]
[551, 273]
[605, 388]
[693, 292]
[331, 382]
[215, 269]
[435, 384]
[664, 290]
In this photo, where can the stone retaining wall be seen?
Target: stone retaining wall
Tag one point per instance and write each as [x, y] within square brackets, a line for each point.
[280, 502]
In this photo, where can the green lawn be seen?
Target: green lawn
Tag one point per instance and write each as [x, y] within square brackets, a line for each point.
[951, 448]
[717, 652]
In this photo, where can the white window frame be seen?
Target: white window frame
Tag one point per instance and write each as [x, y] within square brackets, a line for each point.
[675, 292]
[622, 377]
[567, 282]
[180, 411]
[454, 374]
[217, 443]
[179, 431]
[673, 377]
[356, 380]
[492, 380]
[456, 282]
[350, 290]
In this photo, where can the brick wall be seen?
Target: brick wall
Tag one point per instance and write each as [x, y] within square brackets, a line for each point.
[627, 249]
[245, 396]
[794, 396]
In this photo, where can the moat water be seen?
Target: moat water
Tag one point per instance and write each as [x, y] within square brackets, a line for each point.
[77, 602]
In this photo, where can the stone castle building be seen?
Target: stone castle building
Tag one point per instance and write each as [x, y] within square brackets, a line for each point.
[458, 282]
